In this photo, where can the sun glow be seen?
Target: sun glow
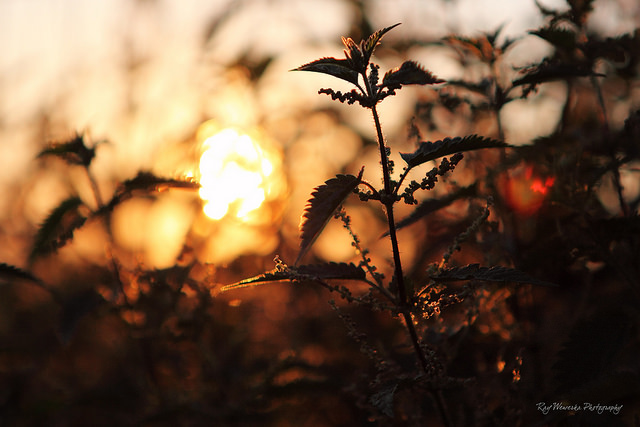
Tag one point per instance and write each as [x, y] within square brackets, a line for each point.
[237, 174]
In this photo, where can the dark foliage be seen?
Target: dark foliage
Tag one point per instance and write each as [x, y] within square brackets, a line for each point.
[522, 288]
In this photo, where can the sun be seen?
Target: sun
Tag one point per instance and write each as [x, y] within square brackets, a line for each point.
[238, 174]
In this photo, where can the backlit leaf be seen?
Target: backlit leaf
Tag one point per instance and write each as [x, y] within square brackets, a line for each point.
[558, 37]
[431, 205]
[340, 68]
[10, 273]
[326, 271]
[57, 229]
[74, 151]
[322, 205]
[373, 40]
[409, 73]
[146, 182]
[548, 71]
[428, 151]
[488, 274]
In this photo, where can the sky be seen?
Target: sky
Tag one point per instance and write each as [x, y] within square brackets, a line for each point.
[144, 74]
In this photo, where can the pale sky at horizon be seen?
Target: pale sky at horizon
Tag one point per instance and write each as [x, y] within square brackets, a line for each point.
[72, 60]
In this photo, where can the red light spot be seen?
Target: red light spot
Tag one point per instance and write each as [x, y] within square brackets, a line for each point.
[539, 187]
[525, 191]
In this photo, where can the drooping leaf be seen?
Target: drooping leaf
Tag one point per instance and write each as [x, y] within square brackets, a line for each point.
[431, 205]
[10, 273]
[57, 229]
[326, 271]
[409, 73]
[488, 274]
[322, 205]
[373, 40]
[146, 182]
[340, 68]
[74, 151]
[428, 151]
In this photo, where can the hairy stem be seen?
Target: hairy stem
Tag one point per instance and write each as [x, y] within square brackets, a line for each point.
[388, 200]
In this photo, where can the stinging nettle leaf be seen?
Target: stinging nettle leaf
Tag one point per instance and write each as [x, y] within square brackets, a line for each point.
[559, 37]
[10, 273]
[74, 151]
[322, 205]
[431, 205]
[548, 71]
[409, 73]
[146, 182]
[488, 274]
[428, 151]
[340, 68]
[330, 270]
[57, 229]
[373, 40]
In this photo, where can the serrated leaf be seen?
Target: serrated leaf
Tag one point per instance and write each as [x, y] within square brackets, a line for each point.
[340, 68]
[354, 55]
[326, 271]
[559, 37]
[409, 73]
[332, 270]
[149, 182]
[324, 202]
[373, 40]
[488, 274]
[74, 151]
[548, 71]
[10, 273]
[431, 205]
[57, 229]
[146, 182]
[428, 151]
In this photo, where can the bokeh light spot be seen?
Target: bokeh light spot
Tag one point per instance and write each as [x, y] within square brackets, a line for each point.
[237, 174]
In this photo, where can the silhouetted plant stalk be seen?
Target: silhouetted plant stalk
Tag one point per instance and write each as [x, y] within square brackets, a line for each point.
[327, 199]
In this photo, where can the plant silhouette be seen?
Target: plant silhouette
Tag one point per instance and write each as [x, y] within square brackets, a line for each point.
[521, 293]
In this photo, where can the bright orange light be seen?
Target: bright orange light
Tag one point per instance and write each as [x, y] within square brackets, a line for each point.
[539, 187]
[525, 192]
[237, 175]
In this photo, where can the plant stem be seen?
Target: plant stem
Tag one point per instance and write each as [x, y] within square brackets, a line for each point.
[388, 201]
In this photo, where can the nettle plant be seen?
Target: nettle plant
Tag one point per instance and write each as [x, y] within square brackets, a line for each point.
[414, 303]
[74, 213]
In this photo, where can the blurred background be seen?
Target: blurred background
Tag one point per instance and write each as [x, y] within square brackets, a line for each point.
[157, 78]
[203, 89]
